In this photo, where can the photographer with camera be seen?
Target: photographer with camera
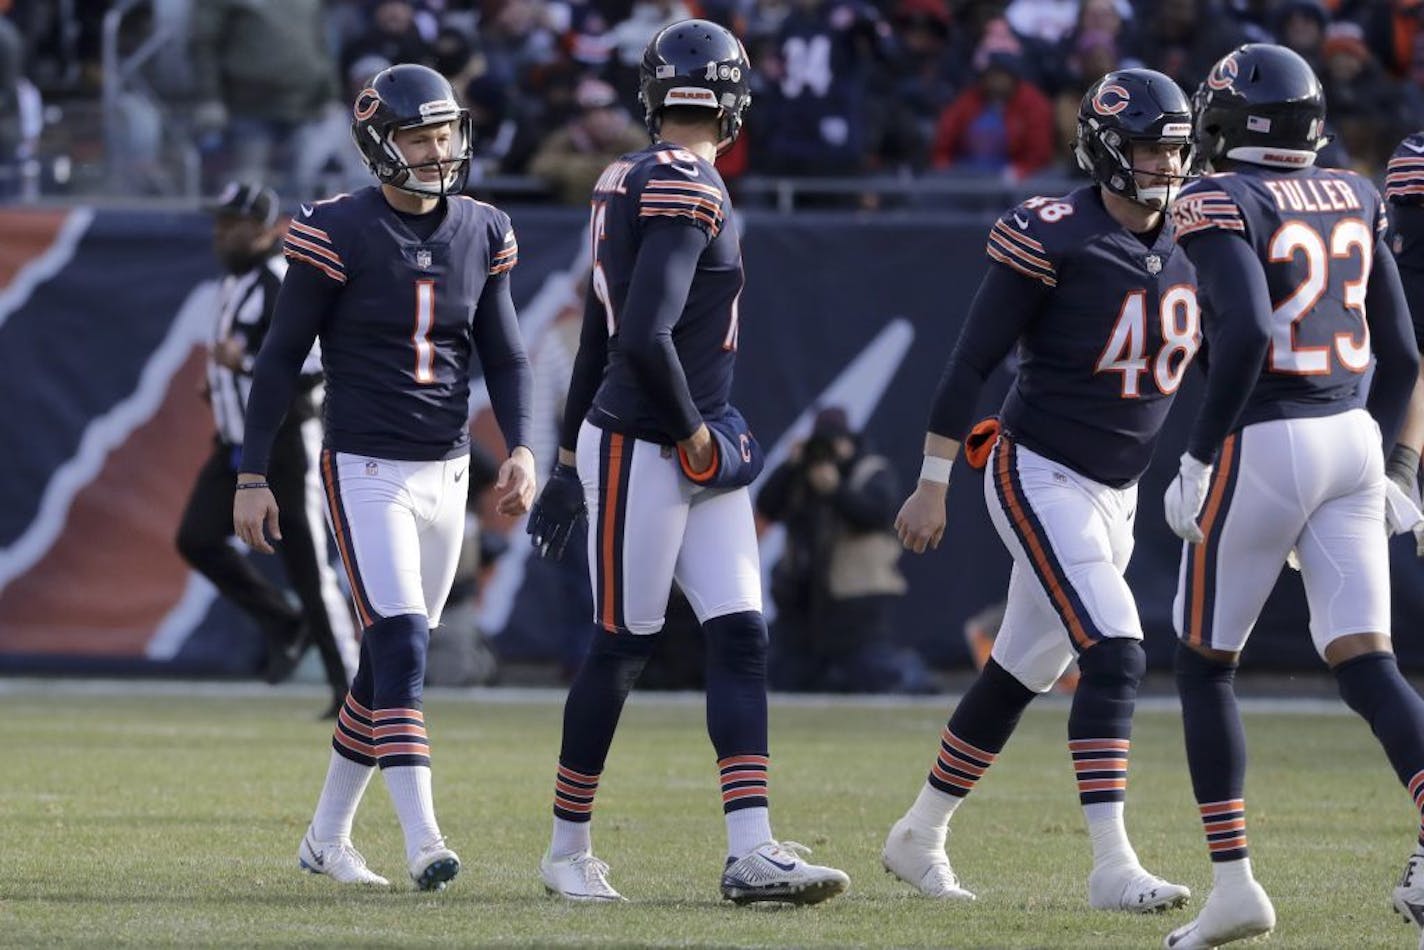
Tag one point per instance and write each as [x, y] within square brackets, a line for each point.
[837, 581]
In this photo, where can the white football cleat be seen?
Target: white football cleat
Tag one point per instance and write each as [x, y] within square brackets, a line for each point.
[918, 859]
[1132, 888]
[338, 860]
[1409, 893]
[577, 877]
[1242, 911]
[434, 866]
[775, 871]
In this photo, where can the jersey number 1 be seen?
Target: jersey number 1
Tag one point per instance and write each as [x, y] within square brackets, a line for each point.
[420, 336]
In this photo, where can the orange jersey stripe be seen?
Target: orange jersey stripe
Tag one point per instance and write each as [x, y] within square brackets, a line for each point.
[611, 515]
[337, 276]
[1003, 258]
[343, 544]
[321, 251]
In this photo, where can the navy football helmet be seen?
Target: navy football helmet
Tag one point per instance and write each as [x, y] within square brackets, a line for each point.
[1128, 107]
[408, 96]
[696, 63]
[1261, 104]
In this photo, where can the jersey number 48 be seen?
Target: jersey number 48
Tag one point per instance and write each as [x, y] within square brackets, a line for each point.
[1126, 351]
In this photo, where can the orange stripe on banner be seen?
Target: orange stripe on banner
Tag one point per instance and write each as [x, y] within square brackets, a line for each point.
[348, 557]
[1036, 549]
[611, 514]
[28, 234]
[113, 573]
[1209, 525]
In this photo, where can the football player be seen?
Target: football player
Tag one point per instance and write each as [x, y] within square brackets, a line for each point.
[1103, 309]
[403, 282]
[1299, 294]
[654, 452]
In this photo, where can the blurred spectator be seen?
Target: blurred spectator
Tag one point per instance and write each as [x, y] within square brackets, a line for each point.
[1184, 40]
[922, 84]
[630, 37]
[1301, 26]
[518, 37]
[262, 79]
[499, 142]
[1002, 124]
[391, 35]
[1394, 32]
[1255, 19]
[572, 158]
[1100, 42]
[1046, 20]
[837, 582]
[1366, 109]
[813, 119]
[330, 163]
[11, 136]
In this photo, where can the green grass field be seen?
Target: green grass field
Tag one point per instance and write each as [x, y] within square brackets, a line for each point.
[173, 820]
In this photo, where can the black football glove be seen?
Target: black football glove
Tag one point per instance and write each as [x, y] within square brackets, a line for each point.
[556, 511]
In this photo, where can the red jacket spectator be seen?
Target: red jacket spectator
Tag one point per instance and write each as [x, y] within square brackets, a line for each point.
[1019, 142]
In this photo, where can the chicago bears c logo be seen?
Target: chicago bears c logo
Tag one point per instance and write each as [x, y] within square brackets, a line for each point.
[366, 104]
[1223, 74]
[1110, 99]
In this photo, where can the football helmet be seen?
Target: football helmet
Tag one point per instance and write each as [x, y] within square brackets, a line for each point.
[1261, 104]
[696, 63]
[1127, 107]
[408, 96]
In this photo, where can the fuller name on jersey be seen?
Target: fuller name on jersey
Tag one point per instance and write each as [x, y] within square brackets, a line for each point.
[1314, 230]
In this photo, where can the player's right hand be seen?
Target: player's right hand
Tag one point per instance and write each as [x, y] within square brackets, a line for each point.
[558, 509]
[1185, 497]
[253, 510]
[698, 449]
[920, 523]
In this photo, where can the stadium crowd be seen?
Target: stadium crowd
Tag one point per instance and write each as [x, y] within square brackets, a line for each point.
[843, 87]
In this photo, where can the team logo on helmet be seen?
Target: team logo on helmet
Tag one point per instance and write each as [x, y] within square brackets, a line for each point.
[1110, 99]
[1223, 74]
[367, 103]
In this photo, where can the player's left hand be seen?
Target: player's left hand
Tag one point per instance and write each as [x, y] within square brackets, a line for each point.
[1185, 497]
[920, 523]
[515, 486]
[560, 507]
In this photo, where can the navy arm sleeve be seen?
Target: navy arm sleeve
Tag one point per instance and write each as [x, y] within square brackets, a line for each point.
[1005, 305]
[589, 363]
[302, 305]
[657, 294]
[1395, 348]
[506, 364]
[1238, 303]
[1408, 223]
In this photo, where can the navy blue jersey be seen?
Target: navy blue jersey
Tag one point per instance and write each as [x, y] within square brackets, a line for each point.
[1314, 231]
[1404, 190]
[660, 194]
[396, 343]
[1111, 339]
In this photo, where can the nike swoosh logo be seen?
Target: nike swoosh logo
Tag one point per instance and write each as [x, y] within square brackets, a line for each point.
[775, 863]
[460, 474]
[689, 170]
[1417, 149]
[1021, 221]
[306, 211]
[1177, 938]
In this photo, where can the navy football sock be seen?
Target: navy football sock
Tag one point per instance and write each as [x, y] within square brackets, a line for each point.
[591, 713]
[1100, 723]
[397, 647]
[1216, 750]
[736, 706]
[1372, 686]
[978, 729]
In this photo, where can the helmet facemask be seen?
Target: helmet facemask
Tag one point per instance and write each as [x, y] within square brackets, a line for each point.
[399, 172]
[1107, 155]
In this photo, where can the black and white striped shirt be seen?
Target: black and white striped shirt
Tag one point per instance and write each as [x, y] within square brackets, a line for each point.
[246, 302]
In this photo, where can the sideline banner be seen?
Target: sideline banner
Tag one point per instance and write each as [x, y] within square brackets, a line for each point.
[103, 319]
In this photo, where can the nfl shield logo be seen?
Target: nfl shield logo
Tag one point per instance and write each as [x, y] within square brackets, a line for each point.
[372, 468]
[1154, 264]
[422, 259]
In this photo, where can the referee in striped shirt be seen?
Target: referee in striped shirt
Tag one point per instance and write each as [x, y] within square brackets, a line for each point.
[247, 240]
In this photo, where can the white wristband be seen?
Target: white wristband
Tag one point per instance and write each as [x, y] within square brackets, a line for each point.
[936, 469]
